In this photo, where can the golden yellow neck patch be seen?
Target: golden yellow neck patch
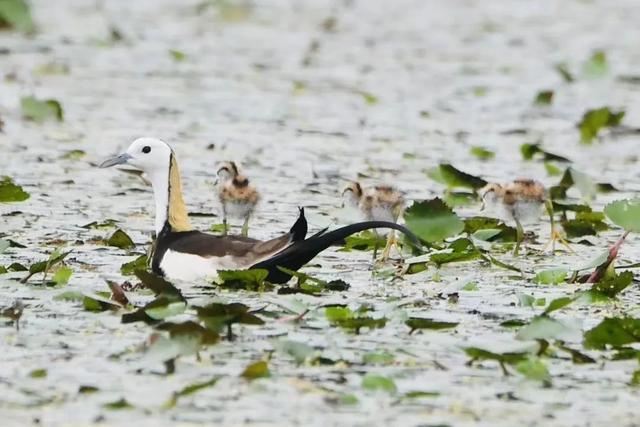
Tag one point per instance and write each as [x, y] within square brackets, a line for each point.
[176, 211]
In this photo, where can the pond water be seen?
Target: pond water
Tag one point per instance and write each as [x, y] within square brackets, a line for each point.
[305, 95]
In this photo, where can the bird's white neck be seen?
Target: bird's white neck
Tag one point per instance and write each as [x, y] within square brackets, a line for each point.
[167, 192]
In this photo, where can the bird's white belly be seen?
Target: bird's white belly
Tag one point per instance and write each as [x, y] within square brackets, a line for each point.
[380, 213]
[238, 210]
[184, 266]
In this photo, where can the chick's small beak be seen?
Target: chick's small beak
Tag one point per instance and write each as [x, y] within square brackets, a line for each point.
[118, 160]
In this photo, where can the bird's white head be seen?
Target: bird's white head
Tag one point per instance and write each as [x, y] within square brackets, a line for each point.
[226, 172]
[150, 155]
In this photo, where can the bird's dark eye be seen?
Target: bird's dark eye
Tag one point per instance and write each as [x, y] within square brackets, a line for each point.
[146, 149]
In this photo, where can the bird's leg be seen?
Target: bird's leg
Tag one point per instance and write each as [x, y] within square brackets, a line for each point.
[391, 241]
[555, 234]
[519, 236]
[225, 226]
[245, 226]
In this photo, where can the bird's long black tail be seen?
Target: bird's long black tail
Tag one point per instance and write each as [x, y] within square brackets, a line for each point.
[301, 252]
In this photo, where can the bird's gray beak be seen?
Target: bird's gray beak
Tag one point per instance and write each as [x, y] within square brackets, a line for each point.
[118, 160]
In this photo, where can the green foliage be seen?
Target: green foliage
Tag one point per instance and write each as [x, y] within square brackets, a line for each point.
[44, 267]
[129, 268]
[614, 332]
[120, 239]
[531, 151]
[534, 369]
[256, 370]
[565, 73]
[365, 241]
[415, 323]
[552, 276]
[177, 55]
[625, 214]
[593, 121]
[16, 14]
[432, 220]
[217, 316]
[62, 276]
[544, 97]
[250, 280]
[596, 65]
[455, 178]
[10, 192]
[355, 321]
[41, 110]
[482, 153]
[375, 382]
[611, 286]
[189, 390]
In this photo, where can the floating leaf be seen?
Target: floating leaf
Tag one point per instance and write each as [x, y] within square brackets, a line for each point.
[481, 227]
[120, 239]
[250, 280]
[596, 66]
[300, 351]
[529, 151]
[432, 220]
[544, 327]
[62, 276]
[422, 323]
[585, 224]
[38, 373]
[482, 153]
[129, 268]
[612, 286]
[593, 121]
[635, 378]
[98, 225]
[476, 353]
[625, 214]
[454, 178]
[552, 276]
[378, 382]
[558, 303]
[564, 72]
[159, 285]
[217, 316]
[10, 192]
[117, 405]
[378, 358]
[189, 390]
[56, 257]
[163, 307]
[4, 245]
[365, 241]
[39, 111]
[544, 97]
[99, 301]
[177, 55]
[16, 14]
[534, 369]
[616, 332]
[74, 155]
[346, 318]
[256, 370]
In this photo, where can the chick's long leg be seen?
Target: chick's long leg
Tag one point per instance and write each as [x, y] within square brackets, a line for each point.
[555, 234]
[245, 226]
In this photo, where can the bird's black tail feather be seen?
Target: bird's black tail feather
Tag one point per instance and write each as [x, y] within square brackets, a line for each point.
[299, 229]
[301, 252]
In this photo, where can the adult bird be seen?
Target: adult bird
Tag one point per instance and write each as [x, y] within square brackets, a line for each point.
[180, 252]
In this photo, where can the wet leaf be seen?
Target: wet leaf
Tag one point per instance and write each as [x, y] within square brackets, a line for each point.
[99, 301]
[378, 358]
[120, 239]
[117, 293]
[4, 245]
[74, 155]
[481, 227]
[300, 351]
[375, 382]
[552, 276]
[596, 66]
[347, 319]
[576, 356]
[159, 285]
[41, 110]
[625, 214]
[99, 225]
[513, 323]
[189, 390]
[544, 97]
[563, 70]
[635, 378]
[593, 121]
[256, 370]
[476, 353]
[117, 405]
[482, 153]
[70, 295]
[458, 198]
[440, 259]
[56, 257]
[62, 276]
[217, 316]
[163, 307]
[614, 332]
[38, 373]
[10, 192]
[612, 286]
[16, 14]
[177, 55]
[421, 323]
[129, 268]
[534, 369]
[552, 170]
[454, 178]
[250, 280]
[558, 303]
[189, 330]
[432, 220]
[544, 327]
[531, 151]
[365, 241]
[585, 224]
